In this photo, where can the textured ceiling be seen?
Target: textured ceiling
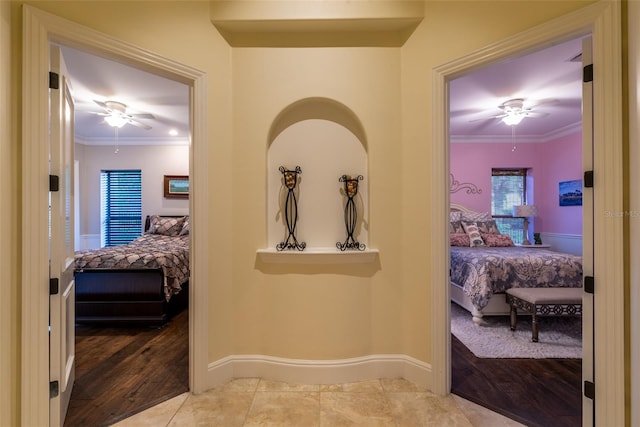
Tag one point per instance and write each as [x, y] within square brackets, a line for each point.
[548, 80]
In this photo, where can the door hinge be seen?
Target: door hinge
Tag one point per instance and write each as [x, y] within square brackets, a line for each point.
[54, 389]
[590, 390]
[54, 286]
[589, 284]
[54, 80]
[54, 183]
[587, 73]
[588, 179]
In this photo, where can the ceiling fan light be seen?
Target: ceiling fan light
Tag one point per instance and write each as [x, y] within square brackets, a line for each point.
[512, 119]
[115, 121]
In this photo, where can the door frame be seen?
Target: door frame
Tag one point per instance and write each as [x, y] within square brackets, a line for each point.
[39, 30]
[603, 21]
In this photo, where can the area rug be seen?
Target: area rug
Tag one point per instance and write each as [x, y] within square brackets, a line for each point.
[558, 337]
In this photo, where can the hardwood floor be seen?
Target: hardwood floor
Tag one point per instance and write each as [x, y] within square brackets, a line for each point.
[534, 392]
[123, 370]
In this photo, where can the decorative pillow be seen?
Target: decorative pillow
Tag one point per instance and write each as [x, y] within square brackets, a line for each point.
[476, 216]
[475, 238]
[165, 225]
[186, 227]
[459, 239]
[497, 240]
[455, 216]
[488, 227]
[456, 227]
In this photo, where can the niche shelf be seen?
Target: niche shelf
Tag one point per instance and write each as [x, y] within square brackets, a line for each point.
[326, 140]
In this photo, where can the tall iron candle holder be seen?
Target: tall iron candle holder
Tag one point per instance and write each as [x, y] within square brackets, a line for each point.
[290, 210]
[350, 213]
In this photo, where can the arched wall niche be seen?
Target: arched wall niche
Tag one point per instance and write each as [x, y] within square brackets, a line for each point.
[326, 140]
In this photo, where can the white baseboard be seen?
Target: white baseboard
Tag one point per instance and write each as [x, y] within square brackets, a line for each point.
[569, 243]
[89, 241]
[297, 371]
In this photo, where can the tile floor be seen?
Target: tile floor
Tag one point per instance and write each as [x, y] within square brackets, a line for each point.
[259, 402]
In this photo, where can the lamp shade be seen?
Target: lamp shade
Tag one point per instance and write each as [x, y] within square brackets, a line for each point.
[525, 211]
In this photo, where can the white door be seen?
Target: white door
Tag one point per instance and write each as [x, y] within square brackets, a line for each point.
[61, 242]
[587, 239]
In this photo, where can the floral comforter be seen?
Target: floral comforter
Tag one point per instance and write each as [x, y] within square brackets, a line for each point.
[481, 272]
[171, 254]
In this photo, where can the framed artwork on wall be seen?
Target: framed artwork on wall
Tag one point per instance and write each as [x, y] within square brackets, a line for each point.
[570, 193]
[176, 186]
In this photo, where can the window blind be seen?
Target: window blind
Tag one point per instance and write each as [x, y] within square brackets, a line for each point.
[121, 206]
[508, 189]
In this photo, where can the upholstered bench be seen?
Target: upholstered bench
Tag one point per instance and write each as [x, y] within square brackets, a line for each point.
[544, 302]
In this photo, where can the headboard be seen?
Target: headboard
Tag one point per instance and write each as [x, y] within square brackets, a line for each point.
[455, 207]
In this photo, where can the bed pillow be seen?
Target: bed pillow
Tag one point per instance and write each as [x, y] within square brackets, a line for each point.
[475, 238]
[186, 227]
[456, 227]
[488, 227]
[459, 239]
[497, 240]
[166, 226]
[476, 216]
[455, 216]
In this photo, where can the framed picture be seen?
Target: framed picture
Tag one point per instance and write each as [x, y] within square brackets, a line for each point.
[570, 193]
[176, 186]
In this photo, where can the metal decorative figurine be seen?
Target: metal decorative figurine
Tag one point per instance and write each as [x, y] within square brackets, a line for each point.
[291, 210]
[350, 213]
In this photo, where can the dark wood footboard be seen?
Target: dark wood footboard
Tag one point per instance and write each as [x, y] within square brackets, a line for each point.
[125, 296]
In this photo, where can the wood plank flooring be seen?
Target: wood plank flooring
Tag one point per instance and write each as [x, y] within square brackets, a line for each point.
[123, 370]
[534, 392]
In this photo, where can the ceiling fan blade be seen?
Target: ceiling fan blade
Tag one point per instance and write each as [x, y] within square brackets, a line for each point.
[499, 116]
[535, 114]
[143, 116]
[138, 124]
[100, 103]
[98, 114]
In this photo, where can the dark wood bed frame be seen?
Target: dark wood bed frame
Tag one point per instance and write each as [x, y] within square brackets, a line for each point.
[126, 296]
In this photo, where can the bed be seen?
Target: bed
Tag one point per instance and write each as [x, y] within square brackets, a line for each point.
[144, 282]
[482, 272]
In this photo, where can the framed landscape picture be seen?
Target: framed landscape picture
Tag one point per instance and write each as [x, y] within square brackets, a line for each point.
[570, 193]
[176, 186]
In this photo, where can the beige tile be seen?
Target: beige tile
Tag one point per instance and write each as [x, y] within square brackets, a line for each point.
[239, 385]
[392, 385]
[269, 385]
[371, 386]
[214, 408]
[426, 409]
[354, 409]
[284, 408]
[159, 415]
[480, 416]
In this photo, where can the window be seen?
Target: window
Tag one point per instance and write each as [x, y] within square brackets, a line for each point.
[120, 206]
[508, 189]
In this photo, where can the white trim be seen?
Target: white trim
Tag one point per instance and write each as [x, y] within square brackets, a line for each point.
[39, 29]
[340, 371]
[522, 139]
[602, 20]
[569, 243]
[318, 256]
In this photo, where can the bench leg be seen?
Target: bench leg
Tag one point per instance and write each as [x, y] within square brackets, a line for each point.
[513, 314]
[534, 325]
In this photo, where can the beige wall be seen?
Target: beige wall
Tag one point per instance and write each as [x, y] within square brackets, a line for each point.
[153, 161]
[319, 312]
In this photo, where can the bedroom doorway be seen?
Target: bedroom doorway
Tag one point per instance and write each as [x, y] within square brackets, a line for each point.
[546, 154]
[45, 29]
[125, 165]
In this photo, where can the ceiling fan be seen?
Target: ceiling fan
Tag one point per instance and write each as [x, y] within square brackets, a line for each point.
[513, 111]
[116, 115]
